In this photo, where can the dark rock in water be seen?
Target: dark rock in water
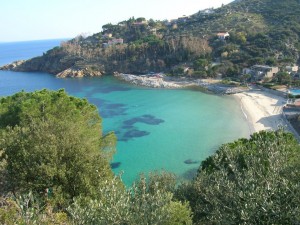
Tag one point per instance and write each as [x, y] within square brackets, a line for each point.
[135, 133]
[111, 110]
[115, 106]
[123, 139]
[190, 161]
[108, 110]
[115, 165]
[97, 101]
[107, 113]
[117, 132]
[130, 122]
[110, 89]
[147, 119]
[127, 127]
[151, 120]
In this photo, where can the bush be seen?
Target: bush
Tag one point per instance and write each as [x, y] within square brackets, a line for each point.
[144, 203]
[253, 181]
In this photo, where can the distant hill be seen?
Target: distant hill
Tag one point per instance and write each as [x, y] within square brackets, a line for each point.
[260, 32]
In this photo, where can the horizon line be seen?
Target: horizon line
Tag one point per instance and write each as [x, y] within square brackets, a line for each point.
[45, 39]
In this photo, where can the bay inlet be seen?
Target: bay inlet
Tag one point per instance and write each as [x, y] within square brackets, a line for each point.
[157, 129]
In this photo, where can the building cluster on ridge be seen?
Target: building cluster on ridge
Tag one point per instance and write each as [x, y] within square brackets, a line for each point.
[261, 73]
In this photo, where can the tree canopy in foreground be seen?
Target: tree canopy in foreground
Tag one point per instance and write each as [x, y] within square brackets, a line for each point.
[54, 142]
[255, 181]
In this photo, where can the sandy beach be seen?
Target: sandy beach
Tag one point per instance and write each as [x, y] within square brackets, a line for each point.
[262, 109]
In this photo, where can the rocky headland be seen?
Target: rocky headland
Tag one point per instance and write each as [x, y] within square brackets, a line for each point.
[59, 69]
[13, 65]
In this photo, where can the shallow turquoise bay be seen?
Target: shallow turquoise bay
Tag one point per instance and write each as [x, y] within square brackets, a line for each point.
[156, 128]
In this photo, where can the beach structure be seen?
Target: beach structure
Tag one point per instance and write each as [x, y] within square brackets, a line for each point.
[261, 72]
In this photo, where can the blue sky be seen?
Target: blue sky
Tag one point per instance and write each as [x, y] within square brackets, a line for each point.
[48, 19]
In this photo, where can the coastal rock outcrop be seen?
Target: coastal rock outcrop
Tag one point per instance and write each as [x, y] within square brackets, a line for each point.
[150, 81]
[161, 81]
[191, 161]
[13, 65]
[79, 72]
[48, 64]
[61, 67]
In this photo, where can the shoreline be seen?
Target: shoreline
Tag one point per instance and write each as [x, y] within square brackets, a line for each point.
[262, 110]
[247, 117]
[155, 81]
[161, 81]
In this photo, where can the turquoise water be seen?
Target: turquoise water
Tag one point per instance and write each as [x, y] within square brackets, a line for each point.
[156, 128]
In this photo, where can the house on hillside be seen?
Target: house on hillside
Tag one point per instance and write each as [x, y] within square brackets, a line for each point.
[223, 35]
[206, 11]
[153, 30]
[183, 19]
[140, 23]
[261, 72]
[292, 69]
[113, 42]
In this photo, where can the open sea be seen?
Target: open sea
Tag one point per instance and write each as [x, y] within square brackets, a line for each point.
[157, 129]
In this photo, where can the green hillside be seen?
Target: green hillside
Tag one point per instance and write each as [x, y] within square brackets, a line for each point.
[261, 32]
